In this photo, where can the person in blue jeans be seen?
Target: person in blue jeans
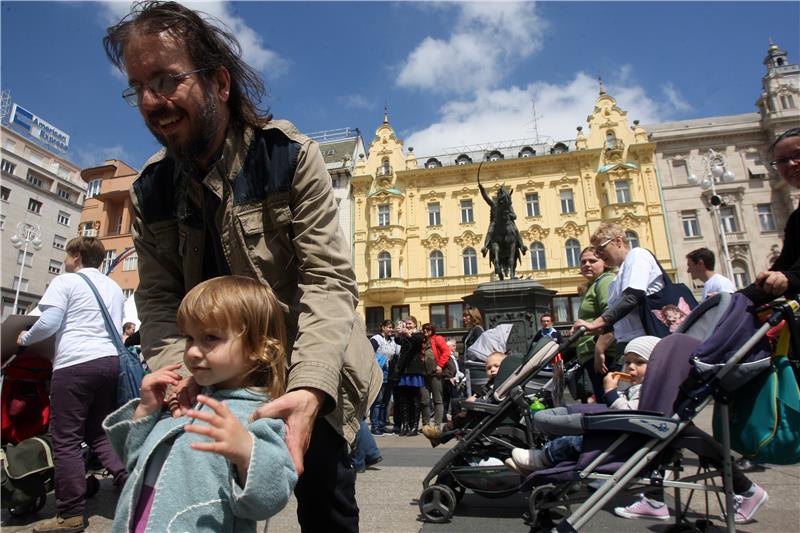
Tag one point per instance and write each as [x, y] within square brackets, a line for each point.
[365, 450]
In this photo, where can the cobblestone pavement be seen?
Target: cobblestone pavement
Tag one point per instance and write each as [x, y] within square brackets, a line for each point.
[387, 495]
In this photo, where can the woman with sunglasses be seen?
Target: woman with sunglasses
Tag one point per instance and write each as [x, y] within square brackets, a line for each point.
[593, 302]
[639, 275]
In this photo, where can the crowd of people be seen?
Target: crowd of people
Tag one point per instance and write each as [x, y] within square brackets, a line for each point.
[247, 300]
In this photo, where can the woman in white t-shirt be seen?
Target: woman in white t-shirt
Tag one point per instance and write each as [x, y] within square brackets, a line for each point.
[639, 275]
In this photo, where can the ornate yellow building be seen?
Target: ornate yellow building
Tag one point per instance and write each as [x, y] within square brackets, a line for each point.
[420, 224]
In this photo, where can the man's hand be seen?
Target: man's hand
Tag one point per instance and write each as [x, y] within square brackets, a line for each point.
[154, 390]
[229, 437]
[182, 397]
[438, 370]
[19, 337]
[773, 283]
[298, 409]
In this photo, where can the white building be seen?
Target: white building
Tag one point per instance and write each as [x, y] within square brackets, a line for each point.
[756, 203]
[42, 188]
[341, 149]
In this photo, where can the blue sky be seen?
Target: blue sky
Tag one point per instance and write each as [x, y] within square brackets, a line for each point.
[452, 74]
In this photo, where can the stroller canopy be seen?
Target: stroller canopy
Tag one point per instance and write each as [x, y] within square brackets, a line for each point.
[491, 340]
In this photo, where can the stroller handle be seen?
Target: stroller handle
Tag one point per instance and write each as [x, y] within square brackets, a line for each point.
[572, 339]
[19, 351]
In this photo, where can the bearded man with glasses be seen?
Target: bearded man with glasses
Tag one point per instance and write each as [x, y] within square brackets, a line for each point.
[236, 192]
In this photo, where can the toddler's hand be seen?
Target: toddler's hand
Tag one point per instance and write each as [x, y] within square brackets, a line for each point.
[154, 388]
[229, 437]
[610, 381]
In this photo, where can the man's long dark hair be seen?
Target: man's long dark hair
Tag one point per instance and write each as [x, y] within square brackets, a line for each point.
[207, 45]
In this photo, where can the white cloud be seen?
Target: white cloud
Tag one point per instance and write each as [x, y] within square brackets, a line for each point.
[488, 39]
[253, 51]
[357, 101]
[492, 116]
[93, 155]
[675, 99]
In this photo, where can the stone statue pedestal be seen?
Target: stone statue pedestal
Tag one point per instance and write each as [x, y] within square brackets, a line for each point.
[513, 301]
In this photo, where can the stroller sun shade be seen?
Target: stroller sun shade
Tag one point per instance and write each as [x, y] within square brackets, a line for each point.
[491, 340]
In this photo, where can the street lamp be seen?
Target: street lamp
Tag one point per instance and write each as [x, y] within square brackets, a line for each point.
[26, 235]
[714, 163]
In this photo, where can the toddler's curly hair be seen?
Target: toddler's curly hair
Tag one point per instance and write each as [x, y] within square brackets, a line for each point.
[249, 309]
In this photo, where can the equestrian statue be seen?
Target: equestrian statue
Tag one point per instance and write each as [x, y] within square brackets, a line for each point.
[503, 240]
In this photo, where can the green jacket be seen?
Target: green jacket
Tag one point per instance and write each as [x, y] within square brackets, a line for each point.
[278, 223]
[594, 302]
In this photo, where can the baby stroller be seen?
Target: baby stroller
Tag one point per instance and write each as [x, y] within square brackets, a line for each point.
[26, 460]
[491, 431]
[632, 450]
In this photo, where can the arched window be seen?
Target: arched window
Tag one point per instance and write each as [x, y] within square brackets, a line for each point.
[494, 156]
[384, 265]
[611, 140]
[573, 249]
[437, 264]
[633, 238]
[433, 163]
[538, 261]
[559, 148]
[740, 275]
[463, 159]
[470, 262]
[386, 169]
[527, 151]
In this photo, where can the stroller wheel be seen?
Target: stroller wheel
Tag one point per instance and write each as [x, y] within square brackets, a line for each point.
[547, 509]
[92, 486]
[437, 503]
[447, 479]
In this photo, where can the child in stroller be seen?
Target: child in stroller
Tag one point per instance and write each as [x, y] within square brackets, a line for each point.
[568, 447]
[436, 435]
[487, 434]
[639, 449]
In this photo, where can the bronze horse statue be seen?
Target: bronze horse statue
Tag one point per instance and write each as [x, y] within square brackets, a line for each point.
[503, 239]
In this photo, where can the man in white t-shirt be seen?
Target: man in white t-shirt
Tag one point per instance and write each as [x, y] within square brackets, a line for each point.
[700, 265]
[83, 388]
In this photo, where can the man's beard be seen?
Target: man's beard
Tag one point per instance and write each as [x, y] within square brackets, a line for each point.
[188, 154]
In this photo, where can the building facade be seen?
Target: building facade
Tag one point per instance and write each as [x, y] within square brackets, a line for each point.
[108, 215]
[755, 203]
[420, 223]
[341, 148]
[40, 187]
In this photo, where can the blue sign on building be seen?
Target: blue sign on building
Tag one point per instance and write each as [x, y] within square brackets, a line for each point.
[38, 129]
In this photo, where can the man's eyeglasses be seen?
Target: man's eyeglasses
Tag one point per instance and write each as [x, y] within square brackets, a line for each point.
[162, 85]
[600, 248]
[785, 161]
